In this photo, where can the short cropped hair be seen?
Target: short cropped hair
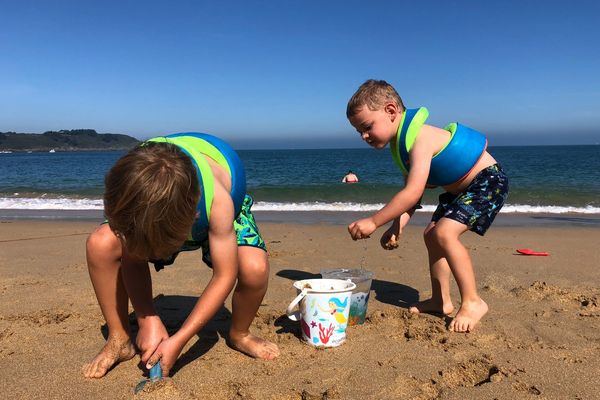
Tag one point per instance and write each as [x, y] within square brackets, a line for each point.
[374, 94]
[150, 199]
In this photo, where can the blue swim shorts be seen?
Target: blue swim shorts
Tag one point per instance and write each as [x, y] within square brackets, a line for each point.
[477, 206]
[246, 231]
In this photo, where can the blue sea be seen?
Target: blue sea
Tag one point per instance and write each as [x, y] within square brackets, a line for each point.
[543, 179]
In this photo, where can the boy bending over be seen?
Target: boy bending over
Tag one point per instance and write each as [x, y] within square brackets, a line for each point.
[170, 194]
[454, 158]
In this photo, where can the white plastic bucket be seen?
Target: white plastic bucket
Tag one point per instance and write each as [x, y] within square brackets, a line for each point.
[323, 309]
[360, 296]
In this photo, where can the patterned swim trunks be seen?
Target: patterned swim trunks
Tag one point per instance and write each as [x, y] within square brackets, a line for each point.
[246, 231]
[478, 205]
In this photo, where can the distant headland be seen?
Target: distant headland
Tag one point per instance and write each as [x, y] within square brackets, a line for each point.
[65, 140]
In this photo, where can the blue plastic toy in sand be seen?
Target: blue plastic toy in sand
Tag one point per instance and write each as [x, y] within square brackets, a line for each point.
[154, 375]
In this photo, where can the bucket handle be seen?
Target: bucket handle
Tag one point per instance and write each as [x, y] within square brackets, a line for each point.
[295, 315]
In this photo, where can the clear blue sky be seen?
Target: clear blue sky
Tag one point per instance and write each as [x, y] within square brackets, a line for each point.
[279, 73]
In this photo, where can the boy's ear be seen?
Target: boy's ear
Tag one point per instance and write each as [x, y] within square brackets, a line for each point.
[391, 110]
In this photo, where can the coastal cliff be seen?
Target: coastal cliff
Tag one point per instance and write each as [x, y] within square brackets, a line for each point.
[65, 140]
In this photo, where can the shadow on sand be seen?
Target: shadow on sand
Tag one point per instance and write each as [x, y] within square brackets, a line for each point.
[387, 292]
[173, 310]
[569, 220]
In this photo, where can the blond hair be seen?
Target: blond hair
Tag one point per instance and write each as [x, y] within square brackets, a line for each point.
[150, 199]
[374, 94]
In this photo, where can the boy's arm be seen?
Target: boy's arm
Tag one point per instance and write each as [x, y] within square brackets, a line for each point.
[403, 201]
[404, 219]
[389, 239]
[138, 283]
[223, 252]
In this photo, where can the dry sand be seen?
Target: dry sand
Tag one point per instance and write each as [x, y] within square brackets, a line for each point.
[541, 338]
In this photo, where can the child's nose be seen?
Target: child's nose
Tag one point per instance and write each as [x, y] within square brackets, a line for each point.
[364, 135]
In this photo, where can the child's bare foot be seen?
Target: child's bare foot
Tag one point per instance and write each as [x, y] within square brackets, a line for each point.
[431, 306]
[468, 316]
[254, 346]
[114, 351]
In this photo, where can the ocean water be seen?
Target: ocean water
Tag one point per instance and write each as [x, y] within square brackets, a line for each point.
[543, 179]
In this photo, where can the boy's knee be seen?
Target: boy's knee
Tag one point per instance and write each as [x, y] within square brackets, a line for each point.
[440, 237]
[428, 237]
[255, 271]
[431, 237]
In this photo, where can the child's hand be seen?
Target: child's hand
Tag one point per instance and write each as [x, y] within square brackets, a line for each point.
[389, 240]
[151, 333]
[362, 228]
[166, 353]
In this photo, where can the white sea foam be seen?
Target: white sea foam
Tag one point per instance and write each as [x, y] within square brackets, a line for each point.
[315, 206]
[41, 203]
[523, 208]
[341, 206]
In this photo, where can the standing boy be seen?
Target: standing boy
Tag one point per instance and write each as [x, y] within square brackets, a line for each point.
[454, 158]
[170, 194]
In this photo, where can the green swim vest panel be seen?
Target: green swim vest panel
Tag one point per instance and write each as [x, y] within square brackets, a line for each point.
[198, 146]
[412, 129]
[203, 168]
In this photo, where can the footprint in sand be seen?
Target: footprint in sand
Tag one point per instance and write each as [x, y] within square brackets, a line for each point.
[470, 373]
[541, 291]
[433, 334]
[523, 387]
[40, 318]
[163, 389]
[379, 317]
[6, 350]
[327, 394]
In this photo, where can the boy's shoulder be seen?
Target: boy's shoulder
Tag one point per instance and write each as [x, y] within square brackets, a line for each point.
[431, 139]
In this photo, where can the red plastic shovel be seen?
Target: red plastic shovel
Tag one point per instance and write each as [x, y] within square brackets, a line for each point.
[529, 252]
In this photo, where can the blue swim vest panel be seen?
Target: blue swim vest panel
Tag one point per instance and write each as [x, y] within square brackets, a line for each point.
[238, 180]
[453, 162]
[459, 156]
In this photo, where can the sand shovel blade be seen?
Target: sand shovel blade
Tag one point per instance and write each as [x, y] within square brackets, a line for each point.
[155, 374]
[140, 386]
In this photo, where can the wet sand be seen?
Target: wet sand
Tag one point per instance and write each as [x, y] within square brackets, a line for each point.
[541, 338]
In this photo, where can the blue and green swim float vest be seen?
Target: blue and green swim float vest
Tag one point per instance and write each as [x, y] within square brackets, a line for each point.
[197, 146]
[449, 165]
